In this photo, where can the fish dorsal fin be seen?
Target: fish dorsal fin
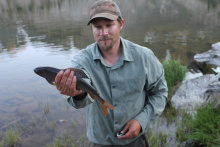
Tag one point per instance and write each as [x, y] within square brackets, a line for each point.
[79, 73]
[52, 83]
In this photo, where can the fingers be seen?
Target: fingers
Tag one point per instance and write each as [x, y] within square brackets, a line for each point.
[133, 127]
[65, 82]
[69, 82]
[126, 128]
[73, 89]
[58, 78]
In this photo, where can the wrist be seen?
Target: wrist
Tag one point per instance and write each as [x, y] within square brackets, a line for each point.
[80, 96]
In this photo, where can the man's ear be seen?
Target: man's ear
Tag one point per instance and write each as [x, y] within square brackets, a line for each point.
[122, 24]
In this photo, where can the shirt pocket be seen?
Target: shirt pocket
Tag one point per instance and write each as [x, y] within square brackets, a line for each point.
[133, 98]
[134, 87]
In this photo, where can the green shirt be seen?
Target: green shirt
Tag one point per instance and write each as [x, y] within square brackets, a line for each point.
[134, 85]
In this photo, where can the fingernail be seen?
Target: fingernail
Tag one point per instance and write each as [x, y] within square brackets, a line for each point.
[61, 72]
[74, 79]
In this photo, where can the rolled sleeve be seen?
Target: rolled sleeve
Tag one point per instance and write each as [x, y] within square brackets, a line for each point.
[79, 103]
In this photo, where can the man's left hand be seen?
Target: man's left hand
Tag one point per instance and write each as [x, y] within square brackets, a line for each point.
[132, 128]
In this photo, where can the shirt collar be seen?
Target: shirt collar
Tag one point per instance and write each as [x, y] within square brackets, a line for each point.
[126, 51]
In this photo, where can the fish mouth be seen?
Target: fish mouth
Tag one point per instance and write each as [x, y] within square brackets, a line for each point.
[36, 70]
[39, 71]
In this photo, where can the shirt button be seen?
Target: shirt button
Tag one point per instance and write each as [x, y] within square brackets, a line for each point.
[115, 105]
[113, 86]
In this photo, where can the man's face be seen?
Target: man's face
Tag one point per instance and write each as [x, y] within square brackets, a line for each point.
[106, 32]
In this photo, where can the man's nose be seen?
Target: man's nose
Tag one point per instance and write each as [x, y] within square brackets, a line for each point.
[104, 31]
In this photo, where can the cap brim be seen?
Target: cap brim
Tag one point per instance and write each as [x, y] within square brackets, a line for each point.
[103, 15]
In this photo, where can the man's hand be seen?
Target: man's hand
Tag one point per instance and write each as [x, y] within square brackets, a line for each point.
[66, 83]
[133, 127]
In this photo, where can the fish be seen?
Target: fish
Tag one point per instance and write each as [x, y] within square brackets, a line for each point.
[49, 73]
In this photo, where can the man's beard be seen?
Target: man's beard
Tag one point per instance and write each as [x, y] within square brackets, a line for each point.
[104, 47]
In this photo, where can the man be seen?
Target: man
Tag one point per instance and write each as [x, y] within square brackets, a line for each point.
[125, 74]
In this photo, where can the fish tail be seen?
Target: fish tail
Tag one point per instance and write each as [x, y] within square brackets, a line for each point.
[106, 105]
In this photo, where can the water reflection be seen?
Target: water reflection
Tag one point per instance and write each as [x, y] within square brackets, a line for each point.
[211, 3]
[60, 20]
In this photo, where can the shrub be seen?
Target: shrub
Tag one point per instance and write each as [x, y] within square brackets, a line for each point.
[174, 72]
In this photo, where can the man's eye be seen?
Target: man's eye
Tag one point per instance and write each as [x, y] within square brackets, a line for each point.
[98, 27]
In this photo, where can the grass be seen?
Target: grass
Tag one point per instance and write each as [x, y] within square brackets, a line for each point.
[203, 129]
[64, 140]
[171, 114]
[157, 139]
[12, 137]
[174, 72]
[1, 139]
[184, 126]
[46, 108]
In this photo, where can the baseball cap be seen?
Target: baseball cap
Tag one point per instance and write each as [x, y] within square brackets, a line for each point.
[105, 9]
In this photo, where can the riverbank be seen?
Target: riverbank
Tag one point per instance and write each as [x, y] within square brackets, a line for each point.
[192, 118]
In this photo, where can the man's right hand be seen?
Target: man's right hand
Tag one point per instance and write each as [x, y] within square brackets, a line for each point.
[65, 82]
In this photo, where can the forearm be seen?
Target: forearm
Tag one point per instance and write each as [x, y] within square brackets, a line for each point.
[151, 111]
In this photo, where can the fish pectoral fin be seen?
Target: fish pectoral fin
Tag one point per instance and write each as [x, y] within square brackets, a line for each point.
[91, 96]
[52, 83]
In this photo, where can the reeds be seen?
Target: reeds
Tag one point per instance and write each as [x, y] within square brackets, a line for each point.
[158, 139]
[203, 129]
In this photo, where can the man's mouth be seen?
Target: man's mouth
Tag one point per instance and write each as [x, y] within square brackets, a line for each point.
[104, 39]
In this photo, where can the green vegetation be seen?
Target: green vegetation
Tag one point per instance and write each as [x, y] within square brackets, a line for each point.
[174, 73]
[157, 139]
[46, 108]
[1, 139]
[12, 137]
[184, 126]
[203, 128]
[64, 140]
